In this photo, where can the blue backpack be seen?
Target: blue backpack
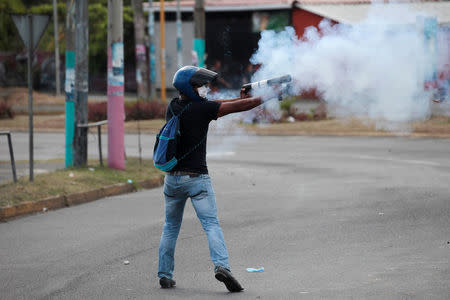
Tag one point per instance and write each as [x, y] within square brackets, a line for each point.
[165, 150]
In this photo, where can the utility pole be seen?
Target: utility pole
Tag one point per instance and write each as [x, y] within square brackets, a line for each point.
[81, 82]
[162, 37]
[199, 31]
[179, 38]
[141, 59]
[116, 111]
[70, 81]
[30, 96]
[55, 27]
[151, 47]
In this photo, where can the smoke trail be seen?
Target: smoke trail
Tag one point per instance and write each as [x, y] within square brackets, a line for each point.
[373, 69]
[227, 129]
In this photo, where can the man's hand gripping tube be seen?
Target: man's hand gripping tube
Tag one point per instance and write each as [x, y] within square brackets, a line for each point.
[272, 82]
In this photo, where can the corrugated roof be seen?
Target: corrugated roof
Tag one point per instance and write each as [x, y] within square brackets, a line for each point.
[353, 13]
[225, 5]
[343, 11]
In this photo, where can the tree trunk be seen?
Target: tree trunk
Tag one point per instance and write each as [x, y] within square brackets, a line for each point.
[81, 82]
[141, 58]
[199, 32]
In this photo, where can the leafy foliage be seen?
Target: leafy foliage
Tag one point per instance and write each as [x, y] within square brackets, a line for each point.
[145, 110]
[137, 110]
[6, 110]
[47, 42]
[287, 103]
[98, 22]
[8, 34]
[97, 112]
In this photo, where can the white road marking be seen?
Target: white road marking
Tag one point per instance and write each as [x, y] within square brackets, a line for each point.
[220, 154]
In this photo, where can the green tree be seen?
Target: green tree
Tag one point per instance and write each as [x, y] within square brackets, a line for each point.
[9, 40]
[98, 22]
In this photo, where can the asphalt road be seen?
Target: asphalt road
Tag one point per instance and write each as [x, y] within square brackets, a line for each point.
[327, 217]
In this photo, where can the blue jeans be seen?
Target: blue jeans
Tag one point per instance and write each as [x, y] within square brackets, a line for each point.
[176, 191]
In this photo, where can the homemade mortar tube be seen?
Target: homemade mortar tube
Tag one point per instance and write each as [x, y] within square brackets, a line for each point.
[267, 82]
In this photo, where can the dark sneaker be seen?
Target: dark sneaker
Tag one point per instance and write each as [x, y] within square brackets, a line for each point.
[167, 283]
[225, 276]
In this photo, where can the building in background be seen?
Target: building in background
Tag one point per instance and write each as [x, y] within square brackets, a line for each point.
[232, 33]
[233, 27]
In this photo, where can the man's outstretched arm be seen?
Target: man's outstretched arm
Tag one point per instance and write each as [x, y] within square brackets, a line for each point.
[227, 100]
[238, 106]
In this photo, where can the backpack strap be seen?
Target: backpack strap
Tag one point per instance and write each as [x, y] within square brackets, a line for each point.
[171, 109]
[184, 109]
[181, 112]
[193, 148]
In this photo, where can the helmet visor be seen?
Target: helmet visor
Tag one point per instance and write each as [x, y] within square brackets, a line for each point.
[202, 76]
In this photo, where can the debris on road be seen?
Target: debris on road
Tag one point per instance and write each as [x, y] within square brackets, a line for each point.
[253, 270]
[126, 262]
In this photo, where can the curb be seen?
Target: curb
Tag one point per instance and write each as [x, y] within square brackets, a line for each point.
[56, 202]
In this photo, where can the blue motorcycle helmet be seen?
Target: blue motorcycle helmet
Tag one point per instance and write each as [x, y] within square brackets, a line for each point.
[189, 77]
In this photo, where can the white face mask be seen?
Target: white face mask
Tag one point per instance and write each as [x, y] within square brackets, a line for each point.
[203, 91]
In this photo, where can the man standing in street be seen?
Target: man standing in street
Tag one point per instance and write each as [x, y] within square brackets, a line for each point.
[189, 178]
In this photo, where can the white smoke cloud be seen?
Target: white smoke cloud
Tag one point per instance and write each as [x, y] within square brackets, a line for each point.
[226, 130]
[374, 69]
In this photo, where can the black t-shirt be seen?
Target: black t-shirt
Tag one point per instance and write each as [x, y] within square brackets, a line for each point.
[194, 123]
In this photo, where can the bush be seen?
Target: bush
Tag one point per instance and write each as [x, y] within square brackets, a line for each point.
[141, 110]
[301, 116]
[97, 111]
[138, 110]
[6, 111]
[317, 114]
[320, 113]
[287, 103]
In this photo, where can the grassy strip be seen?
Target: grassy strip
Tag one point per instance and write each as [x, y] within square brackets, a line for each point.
[73, 180]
